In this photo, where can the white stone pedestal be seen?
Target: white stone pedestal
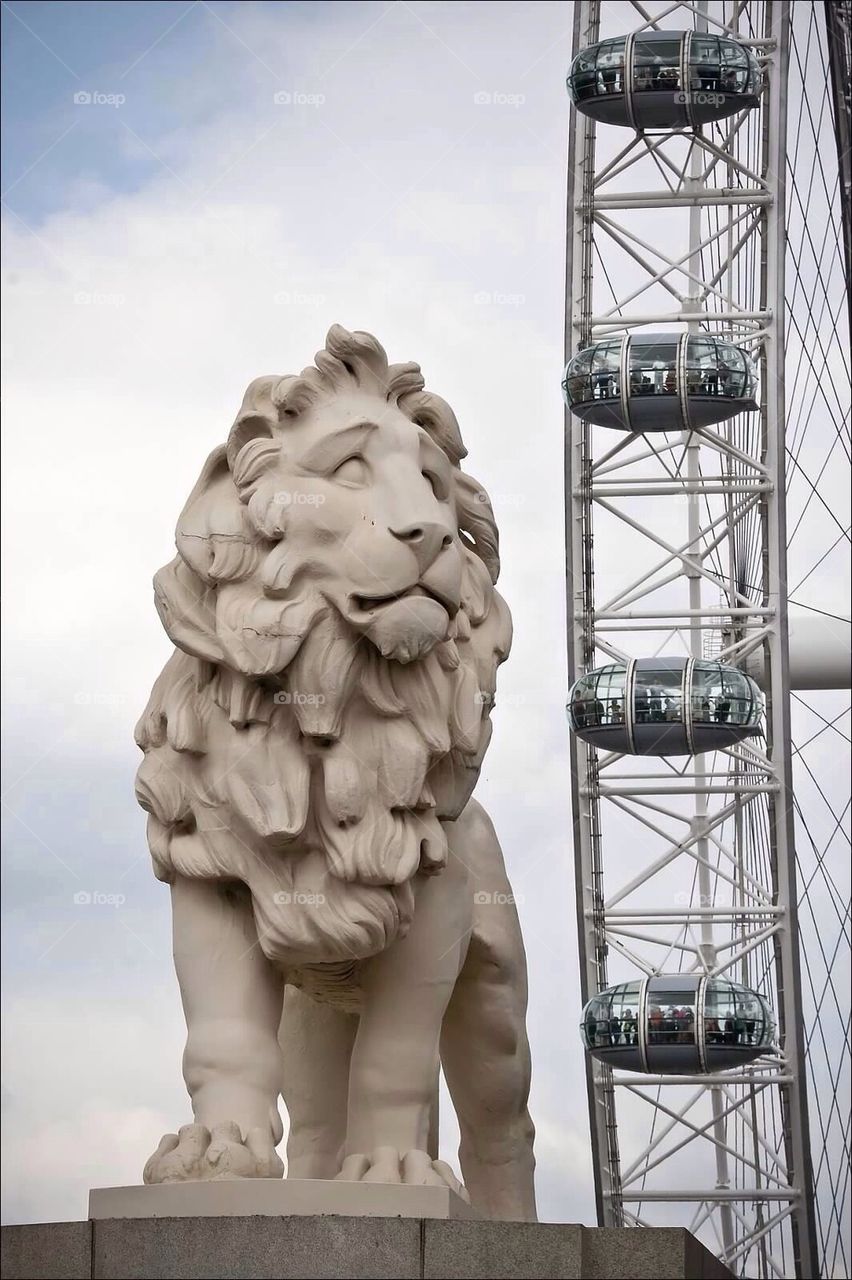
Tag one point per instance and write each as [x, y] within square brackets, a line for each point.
[276, 1198]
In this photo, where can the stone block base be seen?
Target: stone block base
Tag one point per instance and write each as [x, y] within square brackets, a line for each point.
[332, 1246]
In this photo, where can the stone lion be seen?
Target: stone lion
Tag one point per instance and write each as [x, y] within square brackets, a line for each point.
[342, 918]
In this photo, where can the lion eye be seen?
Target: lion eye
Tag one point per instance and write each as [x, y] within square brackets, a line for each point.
[436, 484]
[351, 471]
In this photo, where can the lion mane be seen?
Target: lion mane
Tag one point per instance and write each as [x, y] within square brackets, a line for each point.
[283, 750]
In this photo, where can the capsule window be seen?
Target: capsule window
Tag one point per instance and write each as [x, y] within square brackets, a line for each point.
[733, 1015]
[653, 368]
[612, 1018]
[656, 65]
[657, 696]
[596, 1028]
[583, 700]
[606, 365]
[671, 1017]
[753, 84]
[583, 76]
[578, 385]
[732, 371]
[624, 1016]
[706, 688]
[701, 367]
[598, 698]
[704, 64]
[735, 68]
[768, 1034]
[609, 702]
[749, 1021]
[719, 1013]
[722, 695]
[610, 67]
[737, 690]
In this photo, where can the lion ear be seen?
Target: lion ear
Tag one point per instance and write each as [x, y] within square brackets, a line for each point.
[215, 544]
[248, 426]
[213, 535]
[476, 519]
[435, 416]
[259, 418]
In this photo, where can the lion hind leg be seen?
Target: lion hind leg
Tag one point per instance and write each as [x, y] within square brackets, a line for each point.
[484, 1048]
[316, 1043]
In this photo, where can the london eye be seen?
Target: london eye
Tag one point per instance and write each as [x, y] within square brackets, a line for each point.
[706, 384]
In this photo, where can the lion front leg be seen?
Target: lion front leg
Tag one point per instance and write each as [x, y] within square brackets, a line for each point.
[394, 1066]
[232, 999]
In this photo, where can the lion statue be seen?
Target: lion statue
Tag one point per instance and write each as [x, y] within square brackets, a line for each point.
[343, 924]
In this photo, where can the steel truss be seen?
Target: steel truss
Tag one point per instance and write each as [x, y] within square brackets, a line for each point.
[838, 18]
[678, 544]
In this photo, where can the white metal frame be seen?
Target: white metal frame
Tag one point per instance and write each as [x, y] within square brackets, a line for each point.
[753, 1194]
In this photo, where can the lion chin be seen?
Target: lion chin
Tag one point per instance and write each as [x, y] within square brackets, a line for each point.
[407, 629]
[310, 735]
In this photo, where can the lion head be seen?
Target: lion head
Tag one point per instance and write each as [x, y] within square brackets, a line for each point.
[338, 635]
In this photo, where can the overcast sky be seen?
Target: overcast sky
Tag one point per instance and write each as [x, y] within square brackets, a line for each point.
[177, 235]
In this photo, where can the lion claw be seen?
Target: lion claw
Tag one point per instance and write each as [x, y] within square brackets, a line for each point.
[198, 1154]
[412, 1168]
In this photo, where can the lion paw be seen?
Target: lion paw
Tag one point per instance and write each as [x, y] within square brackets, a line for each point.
[197, 1154]
[414, 1168]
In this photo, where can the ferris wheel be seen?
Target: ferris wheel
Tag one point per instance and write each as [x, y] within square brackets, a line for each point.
[707, 541]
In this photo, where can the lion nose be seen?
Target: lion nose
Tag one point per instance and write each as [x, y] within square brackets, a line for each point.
[427, 540]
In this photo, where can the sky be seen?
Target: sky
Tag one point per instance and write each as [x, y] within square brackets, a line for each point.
[229, 182]
[193, 194]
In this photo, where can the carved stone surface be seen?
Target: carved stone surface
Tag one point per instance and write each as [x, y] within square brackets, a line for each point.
[342, 916]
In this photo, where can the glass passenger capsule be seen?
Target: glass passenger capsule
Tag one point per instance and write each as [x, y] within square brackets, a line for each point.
[689, 1024]
[664, 79]
[664, 706]
[673, 382]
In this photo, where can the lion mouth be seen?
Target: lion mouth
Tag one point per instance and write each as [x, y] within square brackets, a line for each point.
[369, 604]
